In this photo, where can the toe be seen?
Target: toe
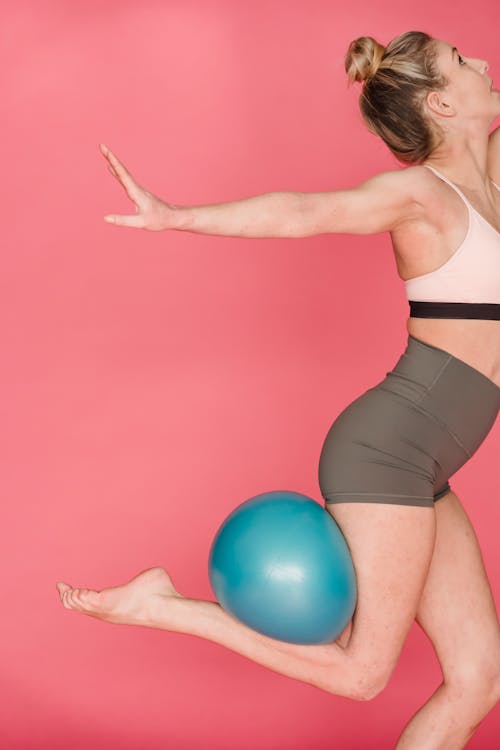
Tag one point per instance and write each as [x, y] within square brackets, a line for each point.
[65, 600]
[74, 596]
[84, 598]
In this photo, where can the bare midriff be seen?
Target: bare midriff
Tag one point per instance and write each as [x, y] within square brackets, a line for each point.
[475, 342]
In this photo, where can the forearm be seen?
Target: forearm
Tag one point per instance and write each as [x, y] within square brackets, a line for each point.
[277, 214]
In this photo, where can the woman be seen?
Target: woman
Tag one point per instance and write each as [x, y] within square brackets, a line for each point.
[386, 461]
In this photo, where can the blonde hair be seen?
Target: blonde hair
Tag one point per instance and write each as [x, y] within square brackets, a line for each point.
[397, 79]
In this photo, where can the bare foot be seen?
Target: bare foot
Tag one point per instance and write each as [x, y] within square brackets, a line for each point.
[133, 603]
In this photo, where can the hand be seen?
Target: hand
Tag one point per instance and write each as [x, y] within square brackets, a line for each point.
[151, 212]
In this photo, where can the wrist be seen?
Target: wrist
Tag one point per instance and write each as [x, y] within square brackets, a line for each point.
[178, 217]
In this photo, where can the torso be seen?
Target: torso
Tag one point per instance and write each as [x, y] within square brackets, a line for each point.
[476, 342]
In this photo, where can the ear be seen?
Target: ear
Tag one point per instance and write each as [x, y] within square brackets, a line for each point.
[437, 101]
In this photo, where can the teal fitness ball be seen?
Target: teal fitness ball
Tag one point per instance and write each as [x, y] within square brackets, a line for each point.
[280, 564]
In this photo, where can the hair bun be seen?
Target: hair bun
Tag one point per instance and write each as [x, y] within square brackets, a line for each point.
[363, 58]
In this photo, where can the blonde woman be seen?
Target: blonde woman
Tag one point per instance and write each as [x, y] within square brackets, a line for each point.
[387, 458]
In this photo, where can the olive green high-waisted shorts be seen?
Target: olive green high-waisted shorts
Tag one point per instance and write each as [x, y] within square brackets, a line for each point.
[404, 438]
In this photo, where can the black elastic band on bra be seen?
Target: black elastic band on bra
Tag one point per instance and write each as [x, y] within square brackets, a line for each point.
[471, 310]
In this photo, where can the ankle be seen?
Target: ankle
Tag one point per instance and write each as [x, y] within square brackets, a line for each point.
[166, 611]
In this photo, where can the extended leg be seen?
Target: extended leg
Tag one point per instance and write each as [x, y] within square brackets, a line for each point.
[151, 600]
[391, 547]
[457, 612]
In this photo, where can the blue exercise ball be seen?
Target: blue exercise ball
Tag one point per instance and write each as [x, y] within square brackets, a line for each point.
[280, 564]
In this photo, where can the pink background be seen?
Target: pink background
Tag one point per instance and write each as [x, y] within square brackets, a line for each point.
[150, 382]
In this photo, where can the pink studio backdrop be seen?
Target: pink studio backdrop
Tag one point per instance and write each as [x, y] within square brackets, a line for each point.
[150, 381]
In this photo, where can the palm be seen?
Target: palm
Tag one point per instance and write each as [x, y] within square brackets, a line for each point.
[150, 210]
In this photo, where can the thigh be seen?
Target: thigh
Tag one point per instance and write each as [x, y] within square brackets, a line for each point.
[457, 609]
[391, 548]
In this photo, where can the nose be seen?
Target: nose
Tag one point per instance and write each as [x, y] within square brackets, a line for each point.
[482, 65]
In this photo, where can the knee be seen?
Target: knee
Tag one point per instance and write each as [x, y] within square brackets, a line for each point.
[482, 681]
[372, 689]
[370, 680]
[490, 684]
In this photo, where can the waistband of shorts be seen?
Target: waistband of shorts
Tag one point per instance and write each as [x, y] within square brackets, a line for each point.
[422, 368]
[433, 360]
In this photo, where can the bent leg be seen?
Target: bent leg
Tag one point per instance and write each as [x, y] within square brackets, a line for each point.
[391, 546]
[457, 612]
[150, 600]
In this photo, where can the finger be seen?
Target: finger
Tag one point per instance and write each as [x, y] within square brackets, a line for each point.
[131, 186]
[109, 166]
[136, 221]
[118, 170]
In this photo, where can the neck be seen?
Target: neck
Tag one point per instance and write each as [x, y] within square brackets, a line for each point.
[465, 161]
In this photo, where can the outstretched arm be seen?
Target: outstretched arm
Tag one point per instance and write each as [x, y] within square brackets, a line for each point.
[376, 205]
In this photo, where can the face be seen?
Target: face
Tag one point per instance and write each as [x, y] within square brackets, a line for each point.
[469, 93]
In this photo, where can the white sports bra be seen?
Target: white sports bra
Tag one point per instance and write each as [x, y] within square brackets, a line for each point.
[467, 285]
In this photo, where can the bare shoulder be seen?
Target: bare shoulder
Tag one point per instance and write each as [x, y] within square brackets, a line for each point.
[409, 182]
[494, 155]
[424, 192]
[423, 183]
[422, 240]
[417, 185]
[434, 204]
